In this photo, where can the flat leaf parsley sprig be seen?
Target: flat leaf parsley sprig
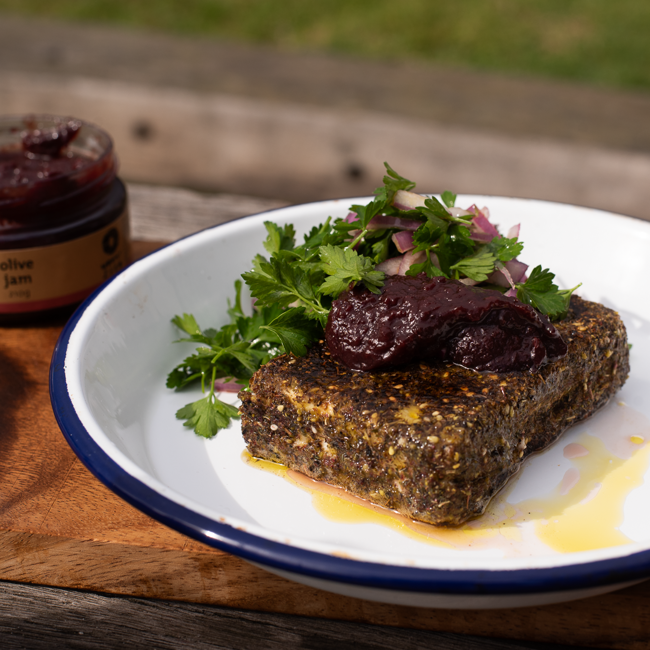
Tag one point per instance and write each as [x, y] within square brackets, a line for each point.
[294, 285]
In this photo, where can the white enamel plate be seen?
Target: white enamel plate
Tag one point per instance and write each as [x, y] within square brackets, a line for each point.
[573, 523]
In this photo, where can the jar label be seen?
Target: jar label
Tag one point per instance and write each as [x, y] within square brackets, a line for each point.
[33, 279]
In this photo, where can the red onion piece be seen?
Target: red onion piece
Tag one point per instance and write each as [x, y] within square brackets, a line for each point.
[409, 259]
[468, 281]
[504, 271]
[513, 233]
[224, 386]
[404, 200]
[511, 293]
[457, 212]
[477, 235]
[352, 216]
[481, 222]
[511, 272]
[381, 222]
[390, 266]
[403, 240]
[517, 270]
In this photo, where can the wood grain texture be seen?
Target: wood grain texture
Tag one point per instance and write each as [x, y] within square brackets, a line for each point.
[61, 527]
[43, 618]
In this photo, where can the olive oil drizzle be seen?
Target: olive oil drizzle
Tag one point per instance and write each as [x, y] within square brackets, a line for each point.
[584, 511]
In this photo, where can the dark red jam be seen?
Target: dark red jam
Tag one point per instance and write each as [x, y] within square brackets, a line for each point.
[63, 215]
[423, 319]
[52, 170]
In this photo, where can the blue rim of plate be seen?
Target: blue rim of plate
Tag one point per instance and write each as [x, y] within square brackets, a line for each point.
[283, 557]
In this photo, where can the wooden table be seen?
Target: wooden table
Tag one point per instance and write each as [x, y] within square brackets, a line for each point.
[68, 545]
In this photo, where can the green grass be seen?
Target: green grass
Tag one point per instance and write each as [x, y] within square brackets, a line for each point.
[603, 42]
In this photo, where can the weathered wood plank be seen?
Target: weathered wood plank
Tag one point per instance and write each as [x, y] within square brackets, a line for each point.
[251, 146]
[168, 213]
[44, 618]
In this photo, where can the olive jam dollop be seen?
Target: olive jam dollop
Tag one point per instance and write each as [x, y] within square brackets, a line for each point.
[438, 319]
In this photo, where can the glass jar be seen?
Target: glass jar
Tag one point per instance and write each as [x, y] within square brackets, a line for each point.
[64, 224]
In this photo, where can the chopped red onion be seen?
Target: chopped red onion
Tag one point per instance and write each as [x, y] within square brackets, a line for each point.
[482, 223]
[468, 281]
[404, 200]
[477, 235]
[390, 266]
[224, 386]
[508, 273]
[458, 212]
[501, 268]
[404, 241]
[352, 216]
[513, 233]
[517, 270]
[381, 222]
[409, 259]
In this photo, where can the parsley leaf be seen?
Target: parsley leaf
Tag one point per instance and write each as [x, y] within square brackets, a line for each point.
[187, 323]
[279, 239]
[433, 208]
[344, 266]
[448, 198]
[505, 249]
[282, 282]
[367, 212]
[542, 293]
[427, 267]
[477, 267]
[295, 330]
[429, 233]
[392, 183]
[207, 416]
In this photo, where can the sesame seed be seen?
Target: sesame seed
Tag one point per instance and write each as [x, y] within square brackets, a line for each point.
[433, 439]
[274, 427]
[280, 407]
[398, 386]
[368, 390]
[391, 451]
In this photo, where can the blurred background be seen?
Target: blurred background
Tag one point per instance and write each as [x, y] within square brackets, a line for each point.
[296, 101]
